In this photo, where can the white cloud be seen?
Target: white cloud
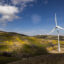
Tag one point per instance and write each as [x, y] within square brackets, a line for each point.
[8, 10]
[22, 3]
[36, 18]
[8, 13]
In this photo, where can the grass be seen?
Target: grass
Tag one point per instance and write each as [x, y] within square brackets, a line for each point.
[28, 46]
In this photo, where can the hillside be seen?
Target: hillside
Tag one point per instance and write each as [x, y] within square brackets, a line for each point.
[10, 41]
[15, 46]
[20, 44]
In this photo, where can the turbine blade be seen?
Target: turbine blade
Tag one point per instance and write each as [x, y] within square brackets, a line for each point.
[51, 31]
[55, 19]
[60, 28]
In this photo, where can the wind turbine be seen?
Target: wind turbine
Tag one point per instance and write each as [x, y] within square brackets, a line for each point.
[57, 28]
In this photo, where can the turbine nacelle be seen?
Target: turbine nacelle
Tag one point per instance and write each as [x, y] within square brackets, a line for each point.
[59, 27]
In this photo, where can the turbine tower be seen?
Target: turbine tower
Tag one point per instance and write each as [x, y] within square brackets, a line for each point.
[57, 28]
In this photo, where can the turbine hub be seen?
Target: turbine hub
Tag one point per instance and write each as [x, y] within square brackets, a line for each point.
[56, 26]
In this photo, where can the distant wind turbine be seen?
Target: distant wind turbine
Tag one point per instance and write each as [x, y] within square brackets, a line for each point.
[57, 28]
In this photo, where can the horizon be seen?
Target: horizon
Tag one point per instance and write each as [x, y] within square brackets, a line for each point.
[34, 35]
[31, 17]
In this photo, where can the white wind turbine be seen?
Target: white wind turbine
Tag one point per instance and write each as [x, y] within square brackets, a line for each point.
[57, 28]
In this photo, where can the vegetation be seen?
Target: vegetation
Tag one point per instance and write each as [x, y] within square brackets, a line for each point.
[10, 41]
[19, 46]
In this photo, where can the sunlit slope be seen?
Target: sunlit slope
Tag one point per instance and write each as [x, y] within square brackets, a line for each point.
[52, 42]
[10, 42]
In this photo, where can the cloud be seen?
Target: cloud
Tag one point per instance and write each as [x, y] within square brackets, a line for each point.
[22, 3]
[36, 18]
[9, 12]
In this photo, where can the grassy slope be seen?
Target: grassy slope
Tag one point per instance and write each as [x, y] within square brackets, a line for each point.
[10, 41]
[14, 42]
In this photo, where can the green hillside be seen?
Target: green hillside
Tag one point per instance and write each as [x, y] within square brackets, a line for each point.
[14, 46]
[21, 44]
[28, 45]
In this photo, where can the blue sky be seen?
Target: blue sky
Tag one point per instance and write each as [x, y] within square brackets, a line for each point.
[31, 17]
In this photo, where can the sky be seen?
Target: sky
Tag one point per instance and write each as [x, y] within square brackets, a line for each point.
[31, 17]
